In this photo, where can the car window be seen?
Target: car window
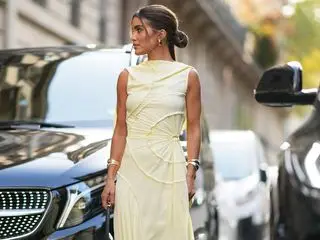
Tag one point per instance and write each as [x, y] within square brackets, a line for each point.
[235, 160]
[86, 87]
[80, 90]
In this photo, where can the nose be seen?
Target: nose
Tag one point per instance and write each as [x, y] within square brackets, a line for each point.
[133, 37]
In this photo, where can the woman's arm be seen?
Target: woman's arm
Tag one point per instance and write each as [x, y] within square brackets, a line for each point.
[193, 107]
[118, 142]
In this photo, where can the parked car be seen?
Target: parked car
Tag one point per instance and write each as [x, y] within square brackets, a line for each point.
[243, 188]
[297, 216]
[57, 107]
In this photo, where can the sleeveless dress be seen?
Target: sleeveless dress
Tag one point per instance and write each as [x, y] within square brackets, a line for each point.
[151, 191]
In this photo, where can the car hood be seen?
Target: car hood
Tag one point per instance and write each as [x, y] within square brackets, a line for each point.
[52, 158]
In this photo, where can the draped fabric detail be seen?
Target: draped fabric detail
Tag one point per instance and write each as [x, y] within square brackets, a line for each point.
[152, 175]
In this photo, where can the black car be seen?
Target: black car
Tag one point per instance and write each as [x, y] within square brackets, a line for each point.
[297, 211]
[57, 107]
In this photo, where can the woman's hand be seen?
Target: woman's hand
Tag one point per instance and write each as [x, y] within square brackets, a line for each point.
[108, 194]
[191, 176]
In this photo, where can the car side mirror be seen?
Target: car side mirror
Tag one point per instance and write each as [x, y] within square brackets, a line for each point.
[263, 175]
[281, 86]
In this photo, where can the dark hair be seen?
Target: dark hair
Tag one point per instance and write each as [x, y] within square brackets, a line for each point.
[161, 17]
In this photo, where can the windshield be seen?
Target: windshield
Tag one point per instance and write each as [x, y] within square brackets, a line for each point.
[80, 90]
[235, 160]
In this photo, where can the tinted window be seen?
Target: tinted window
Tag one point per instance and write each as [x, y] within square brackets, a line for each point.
[86, 87]
[80, 90]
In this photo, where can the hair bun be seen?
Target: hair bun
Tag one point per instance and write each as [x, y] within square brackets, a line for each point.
[180, 39]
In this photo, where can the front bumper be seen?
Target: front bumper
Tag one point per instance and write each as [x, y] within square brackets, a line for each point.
[93, 229]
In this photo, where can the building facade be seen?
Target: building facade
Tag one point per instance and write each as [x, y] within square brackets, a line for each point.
[219, 48]
[30, 23]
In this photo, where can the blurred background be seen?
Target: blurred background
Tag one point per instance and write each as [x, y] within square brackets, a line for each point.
[231, 43]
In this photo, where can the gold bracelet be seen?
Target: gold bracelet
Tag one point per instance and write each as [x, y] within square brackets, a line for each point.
[113, 162]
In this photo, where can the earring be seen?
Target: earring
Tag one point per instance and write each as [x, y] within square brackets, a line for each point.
[160, 42]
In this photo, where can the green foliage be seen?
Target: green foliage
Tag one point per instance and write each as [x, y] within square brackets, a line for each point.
[303, 45]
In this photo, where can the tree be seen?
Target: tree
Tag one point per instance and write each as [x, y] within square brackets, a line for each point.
[261, 18]
[303, 43]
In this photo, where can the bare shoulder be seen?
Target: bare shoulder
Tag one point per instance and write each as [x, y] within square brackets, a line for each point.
[193, 78]
[124, 74]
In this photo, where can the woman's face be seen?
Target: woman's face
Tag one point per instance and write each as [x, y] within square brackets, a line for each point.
[144, 38]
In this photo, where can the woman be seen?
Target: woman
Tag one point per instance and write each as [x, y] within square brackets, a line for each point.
[153, 183]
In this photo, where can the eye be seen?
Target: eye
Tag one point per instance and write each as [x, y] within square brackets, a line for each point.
[139, 30]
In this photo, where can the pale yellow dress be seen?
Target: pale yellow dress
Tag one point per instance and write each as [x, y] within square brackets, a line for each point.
[151, 191]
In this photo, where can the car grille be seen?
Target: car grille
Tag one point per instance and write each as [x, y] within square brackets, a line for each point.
[21, 212]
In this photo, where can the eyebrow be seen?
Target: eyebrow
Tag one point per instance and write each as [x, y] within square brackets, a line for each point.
[138, 26]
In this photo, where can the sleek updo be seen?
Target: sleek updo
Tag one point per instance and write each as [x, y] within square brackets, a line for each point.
[160, 17]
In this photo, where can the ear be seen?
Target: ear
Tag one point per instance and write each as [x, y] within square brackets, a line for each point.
[163, 34]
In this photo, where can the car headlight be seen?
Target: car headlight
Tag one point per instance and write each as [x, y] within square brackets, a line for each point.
[83, 202]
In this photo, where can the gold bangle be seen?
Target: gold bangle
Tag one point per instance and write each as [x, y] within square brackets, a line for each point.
[113, 162]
